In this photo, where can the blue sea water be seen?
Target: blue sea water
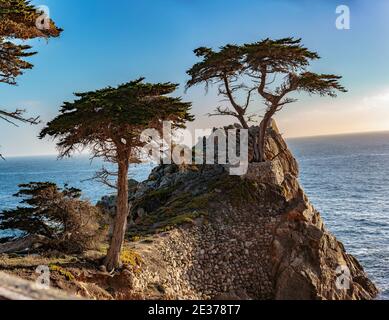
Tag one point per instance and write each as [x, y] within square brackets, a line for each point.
[346, 178]
[76, 172]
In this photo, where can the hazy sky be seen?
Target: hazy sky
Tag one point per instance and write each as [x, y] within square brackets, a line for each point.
[111, 42]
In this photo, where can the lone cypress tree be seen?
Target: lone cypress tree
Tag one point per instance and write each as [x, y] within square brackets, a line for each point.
[273, 69]
[110, 122]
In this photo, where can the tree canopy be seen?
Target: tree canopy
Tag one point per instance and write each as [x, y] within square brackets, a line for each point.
[111, 117]
[272, 69]
[18, 22]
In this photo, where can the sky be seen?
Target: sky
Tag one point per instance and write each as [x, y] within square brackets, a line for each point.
[112, 42]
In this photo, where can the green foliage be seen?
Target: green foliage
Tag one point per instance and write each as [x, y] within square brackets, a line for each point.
[18, 19]
[222, 68]
[281, 55]
[214, 66]
[166, 209]
[253, 68]
[11, 61]
[69, 223]
[111, 120]
[286, 56]
[36, 216]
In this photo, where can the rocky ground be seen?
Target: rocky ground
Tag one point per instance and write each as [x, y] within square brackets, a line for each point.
[198, 233]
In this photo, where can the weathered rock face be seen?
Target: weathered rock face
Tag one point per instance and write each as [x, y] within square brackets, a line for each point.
[203, 234]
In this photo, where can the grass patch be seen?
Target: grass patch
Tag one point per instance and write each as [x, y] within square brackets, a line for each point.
[31, 261]
[168, 208]
[181, 209]
[237, 190]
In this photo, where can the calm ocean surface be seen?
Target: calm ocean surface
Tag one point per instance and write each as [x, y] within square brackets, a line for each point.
[346, 178]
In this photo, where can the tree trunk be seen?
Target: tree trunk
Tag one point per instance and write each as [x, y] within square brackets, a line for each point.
[112, 260]
[259, 143]
[261, 139]
[243, 121]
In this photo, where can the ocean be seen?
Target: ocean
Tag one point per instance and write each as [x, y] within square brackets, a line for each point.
[346, 178]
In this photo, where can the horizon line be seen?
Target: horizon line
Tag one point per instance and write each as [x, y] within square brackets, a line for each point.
[338, 134]
[287, 138]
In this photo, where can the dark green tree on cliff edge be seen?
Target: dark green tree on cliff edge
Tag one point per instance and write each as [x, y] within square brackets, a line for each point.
[109, 122]
[272, 69]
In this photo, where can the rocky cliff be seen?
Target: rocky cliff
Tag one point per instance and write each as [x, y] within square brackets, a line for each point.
[203, 234]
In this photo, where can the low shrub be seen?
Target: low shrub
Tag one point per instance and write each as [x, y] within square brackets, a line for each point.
[71, 225]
